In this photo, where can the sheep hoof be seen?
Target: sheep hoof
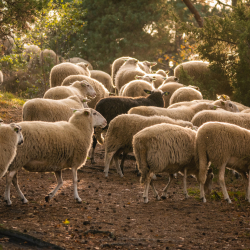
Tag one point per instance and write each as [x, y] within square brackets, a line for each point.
[186, 196]
[203, 199]
[106, 174]
[47, 198]
[24, 201]
[154, 177]
[8, 202]
[121, 175]
[92, 161]
[158, 198]
[78, 200]
[164, 197]
[138, 173]
[228, 200]
[236, 175]
[145, 200]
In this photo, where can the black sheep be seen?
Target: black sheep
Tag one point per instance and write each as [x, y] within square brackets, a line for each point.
[111, 107]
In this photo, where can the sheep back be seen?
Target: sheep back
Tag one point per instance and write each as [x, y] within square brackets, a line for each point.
[104, 78]
[136, 88]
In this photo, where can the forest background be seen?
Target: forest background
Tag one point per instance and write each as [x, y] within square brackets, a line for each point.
[167, 31]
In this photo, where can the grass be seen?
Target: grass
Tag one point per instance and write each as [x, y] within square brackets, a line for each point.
[9, 99]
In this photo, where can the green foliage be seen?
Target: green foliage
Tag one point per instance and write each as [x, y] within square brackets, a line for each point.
[224, 42]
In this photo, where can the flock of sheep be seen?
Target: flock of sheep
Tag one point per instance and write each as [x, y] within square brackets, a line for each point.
[168, 126]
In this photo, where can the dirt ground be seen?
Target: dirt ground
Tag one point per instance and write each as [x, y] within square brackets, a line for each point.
[113, 215]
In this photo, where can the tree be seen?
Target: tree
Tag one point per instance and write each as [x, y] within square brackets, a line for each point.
[14, 15]
[224, 42]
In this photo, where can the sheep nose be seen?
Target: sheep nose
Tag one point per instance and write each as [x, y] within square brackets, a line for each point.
[20, 142]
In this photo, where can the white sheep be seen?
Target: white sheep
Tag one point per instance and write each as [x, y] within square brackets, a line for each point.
[60, 71]
[169, 87]
[240, 106]
[101, 91]
[49, 110]
[224, 145]
[54, 146]
[104, 78]
[146, 66]
[48, 57]
[135, 88]
[7, 44]
[195, 69]
[127, 72]
[165, 148]
[181, 113]
[120, 133]
[31, 54]
[185, 94]
[82, 88]
[78, 60]
[10, 137]
[162, 72]
[226, 105]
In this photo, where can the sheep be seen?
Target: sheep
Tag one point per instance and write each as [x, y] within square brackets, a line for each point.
[78, 60]
[246, 111]
[240, 119]
[185, 94]
[111, 107]
[120, 133]
[7, 44]
[1, 77]
[127, 73]
[48, 57]
[116, 65]
[169, 87]
[31, 54]
[54, 146]
[196, 69]
[226, 105]
[165, 148]
[60, 71]
[146, 66]
[224, 145]
[240, 106]
[82, 88]
[49, 110]
[135, 88]
[104, 78]
[182, 113]
[101, 91]
[10, 137]
[162, 72]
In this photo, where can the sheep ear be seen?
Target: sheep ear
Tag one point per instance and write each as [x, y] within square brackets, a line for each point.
[83, 83]
[15, 127]
[138, 77]
[166, 93]
[164, 78]
[147, 91]
[167, 72]
[222, 103]
[86, 112]
[153, 63]
[1, 120]
[111, 94]
[85, 100]
[176, 79]
[218, 96]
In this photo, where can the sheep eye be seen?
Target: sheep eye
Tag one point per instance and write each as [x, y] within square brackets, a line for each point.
[230, 105]
[94, 113]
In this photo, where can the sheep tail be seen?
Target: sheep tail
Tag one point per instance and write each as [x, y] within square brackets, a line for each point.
[203, 165]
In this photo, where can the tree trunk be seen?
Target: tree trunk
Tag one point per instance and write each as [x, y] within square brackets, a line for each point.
[196, 14]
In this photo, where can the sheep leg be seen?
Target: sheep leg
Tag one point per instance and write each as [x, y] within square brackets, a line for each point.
[15, 183]
[165, 190]
[9, 177]
[222, 182]
[108, 158]
[124, 155]
[93, 150]
[116, 160]
[202, 193]
[58, 175]
[145, 193]
[185, 183]
[154, 190]
[76, 196]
